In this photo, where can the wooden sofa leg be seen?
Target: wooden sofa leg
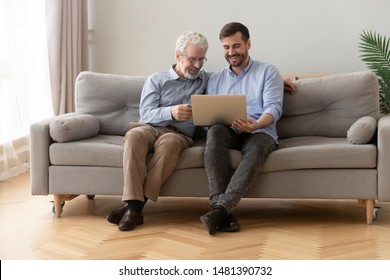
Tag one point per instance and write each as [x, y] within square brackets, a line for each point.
[370, 203]
[362, 202]
[59, 200]
[57, 205]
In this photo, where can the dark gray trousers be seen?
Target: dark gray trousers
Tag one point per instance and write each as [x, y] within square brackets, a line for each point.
[224, 190]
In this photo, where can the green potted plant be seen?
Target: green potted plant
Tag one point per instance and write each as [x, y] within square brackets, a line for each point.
[376, 56]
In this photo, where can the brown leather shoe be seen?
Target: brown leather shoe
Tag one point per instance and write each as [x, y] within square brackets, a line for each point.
[229, 224]
[130, 220]
[115, 216]
[212, 219]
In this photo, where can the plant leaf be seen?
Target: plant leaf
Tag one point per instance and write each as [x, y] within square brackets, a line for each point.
[375, 50]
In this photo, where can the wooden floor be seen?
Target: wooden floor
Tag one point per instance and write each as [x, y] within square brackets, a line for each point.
[271, 229]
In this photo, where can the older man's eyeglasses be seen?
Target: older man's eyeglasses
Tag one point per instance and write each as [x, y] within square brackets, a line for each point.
[194, 60]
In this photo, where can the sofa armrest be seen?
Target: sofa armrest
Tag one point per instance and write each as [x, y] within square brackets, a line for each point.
[40, 141]
[384, 158]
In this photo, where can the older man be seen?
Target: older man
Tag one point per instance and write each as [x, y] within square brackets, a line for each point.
[165, 128]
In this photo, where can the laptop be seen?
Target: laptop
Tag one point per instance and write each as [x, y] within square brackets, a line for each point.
[218, 108]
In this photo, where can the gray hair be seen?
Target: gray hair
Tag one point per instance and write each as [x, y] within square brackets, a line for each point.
[193, 38]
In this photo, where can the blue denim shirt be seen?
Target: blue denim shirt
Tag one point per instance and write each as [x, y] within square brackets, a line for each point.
[163, 90]
[262, 85]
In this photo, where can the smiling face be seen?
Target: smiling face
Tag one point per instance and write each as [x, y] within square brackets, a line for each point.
[236, 51]
[190, 62]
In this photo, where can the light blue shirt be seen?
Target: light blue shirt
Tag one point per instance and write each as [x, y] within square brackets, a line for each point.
[162, 91]
[262, 85]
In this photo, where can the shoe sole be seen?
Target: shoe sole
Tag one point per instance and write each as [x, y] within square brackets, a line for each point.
[235, 228]
[138, 223]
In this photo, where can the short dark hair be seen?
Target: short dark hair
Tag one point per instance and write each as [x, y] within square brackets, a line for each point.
[232, 28]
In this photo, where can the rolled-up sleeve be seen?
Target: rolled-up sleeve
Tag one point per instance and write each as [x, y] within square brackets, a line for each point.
[273, 95]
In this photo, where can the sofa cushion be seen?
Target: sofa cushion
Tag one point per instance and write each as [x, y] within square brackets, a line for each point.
[294, 153]
[328, 106]
[315, 152]
[101, 150]
[113, 99]
[73, 127]
[362, 131]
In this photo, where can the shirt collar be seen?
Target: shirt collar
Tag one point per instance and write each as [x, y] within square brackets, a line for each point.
[172, 73]
[244, 71]
[174, 76]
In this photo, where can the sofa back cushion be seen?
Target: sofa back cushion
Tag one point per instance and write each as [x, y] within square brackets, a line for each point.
[328, 106]
[325, 106]
[113, 99]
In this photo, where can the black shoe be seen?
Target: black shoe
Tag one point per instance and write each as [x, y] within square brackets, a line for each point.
[115, 216]
[212, 219]
[130, 220]
[229, 224]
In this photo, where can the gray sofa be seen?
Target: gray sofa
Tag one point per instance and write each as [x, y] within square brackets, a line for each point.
[334, 144]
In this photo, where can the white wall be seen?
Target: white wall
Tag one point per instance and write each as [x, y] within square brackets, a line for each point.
[137, 37]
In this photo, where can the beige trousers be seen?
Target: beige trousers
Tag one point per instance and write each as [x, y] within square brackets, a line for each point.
[144, 177]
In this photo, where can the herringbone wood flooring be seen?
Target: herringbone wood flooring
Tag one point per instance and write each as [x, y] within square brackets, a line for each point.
[271, 229]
